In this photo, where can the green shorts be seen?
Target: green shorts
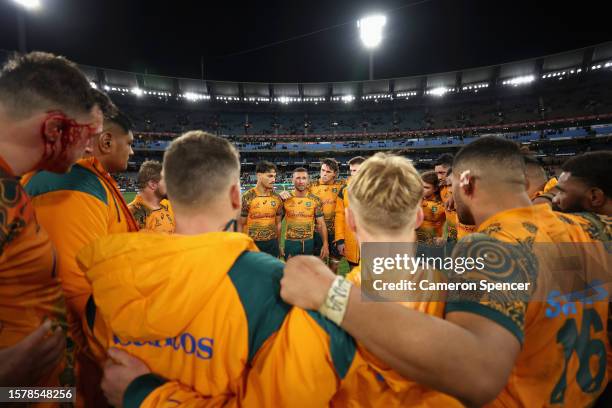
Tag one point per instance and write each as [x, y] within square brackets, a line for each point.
[269, 247]
[301, 247]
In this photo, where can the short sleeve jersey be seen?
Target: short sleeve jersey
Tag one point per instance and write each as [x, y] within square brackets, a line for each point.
[261, 212]
[300, 214]
[328, 194]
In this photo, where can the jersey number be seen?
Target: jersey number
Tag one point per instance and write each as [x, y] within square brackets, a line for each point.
[585, 348]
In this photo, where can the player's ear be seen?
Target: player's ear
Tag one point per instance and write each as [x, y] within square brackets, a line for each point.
[467, 185]
[419, 217]
[105, 142]
[597, 197]
[235, 196]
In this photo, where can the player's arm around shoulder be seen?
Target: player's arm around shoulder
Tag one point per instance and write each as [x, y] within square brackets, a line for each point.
[425, 355]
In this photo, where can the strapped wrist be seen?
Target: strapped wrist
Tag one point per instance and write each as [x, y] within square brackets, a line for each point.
[335, 304]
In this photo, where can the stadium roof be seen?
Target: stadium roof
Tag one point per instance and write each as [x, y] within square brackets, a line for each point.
[510, 74]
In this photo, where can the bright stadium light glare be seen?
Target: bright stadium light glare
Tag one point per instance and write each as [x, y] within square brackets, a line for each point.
[137, 91]
[29, 4]
[522, 80]
[192, 96]
[348, 98]
[439, 91]
[371, 30]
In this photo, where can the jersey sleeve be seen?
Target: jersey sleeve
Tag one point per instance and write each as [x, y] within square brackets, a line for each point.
[72, 219]
[599, 227]
[340, 221]
[502, 263]
[305, 361]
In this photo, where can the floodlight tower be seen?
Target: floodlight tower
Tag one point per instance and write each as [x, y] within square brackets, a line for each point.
[371, 34]
[28, 5]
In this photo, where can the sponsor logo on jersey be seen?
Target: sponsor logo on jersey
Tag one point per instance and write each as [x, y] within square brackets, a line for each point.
[187, 343]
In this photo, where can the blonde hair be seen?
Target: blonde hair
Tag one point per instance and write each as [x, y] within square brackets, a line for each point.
[386, 192]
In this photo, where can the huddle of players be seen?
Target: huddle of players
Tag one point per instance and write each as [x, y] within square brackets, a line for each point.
[314, 214]
[505, 350]
[202, 322]
[440, 222]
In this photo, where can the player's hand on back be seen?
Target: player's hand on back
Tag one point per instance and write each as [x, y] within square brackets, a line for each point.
[119, 371]
[285, 195]
[306, 281]
[340, 249]
[33, 358]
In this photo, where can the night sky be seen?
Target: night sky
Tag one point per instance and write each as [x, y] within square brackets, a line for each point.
[169, 38]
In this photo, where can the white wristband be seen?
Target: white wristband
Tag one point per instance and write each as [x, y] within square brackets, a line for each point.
[336, 302]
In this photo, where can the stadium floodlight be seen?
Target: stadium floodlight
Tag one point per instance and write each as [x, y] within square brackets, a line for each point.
[370, 30]
[21, 21]
[137, 91]
[371, 34]
[348, 98]
[29, 4]
[93, 85]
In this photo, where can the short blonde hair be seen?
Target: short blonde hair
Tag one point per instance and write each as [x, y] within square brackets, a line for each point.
[386, 192]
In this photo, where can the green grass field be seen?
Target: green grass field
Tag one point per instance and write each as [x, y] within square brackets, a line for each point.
[343, 269]
[129, 196]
